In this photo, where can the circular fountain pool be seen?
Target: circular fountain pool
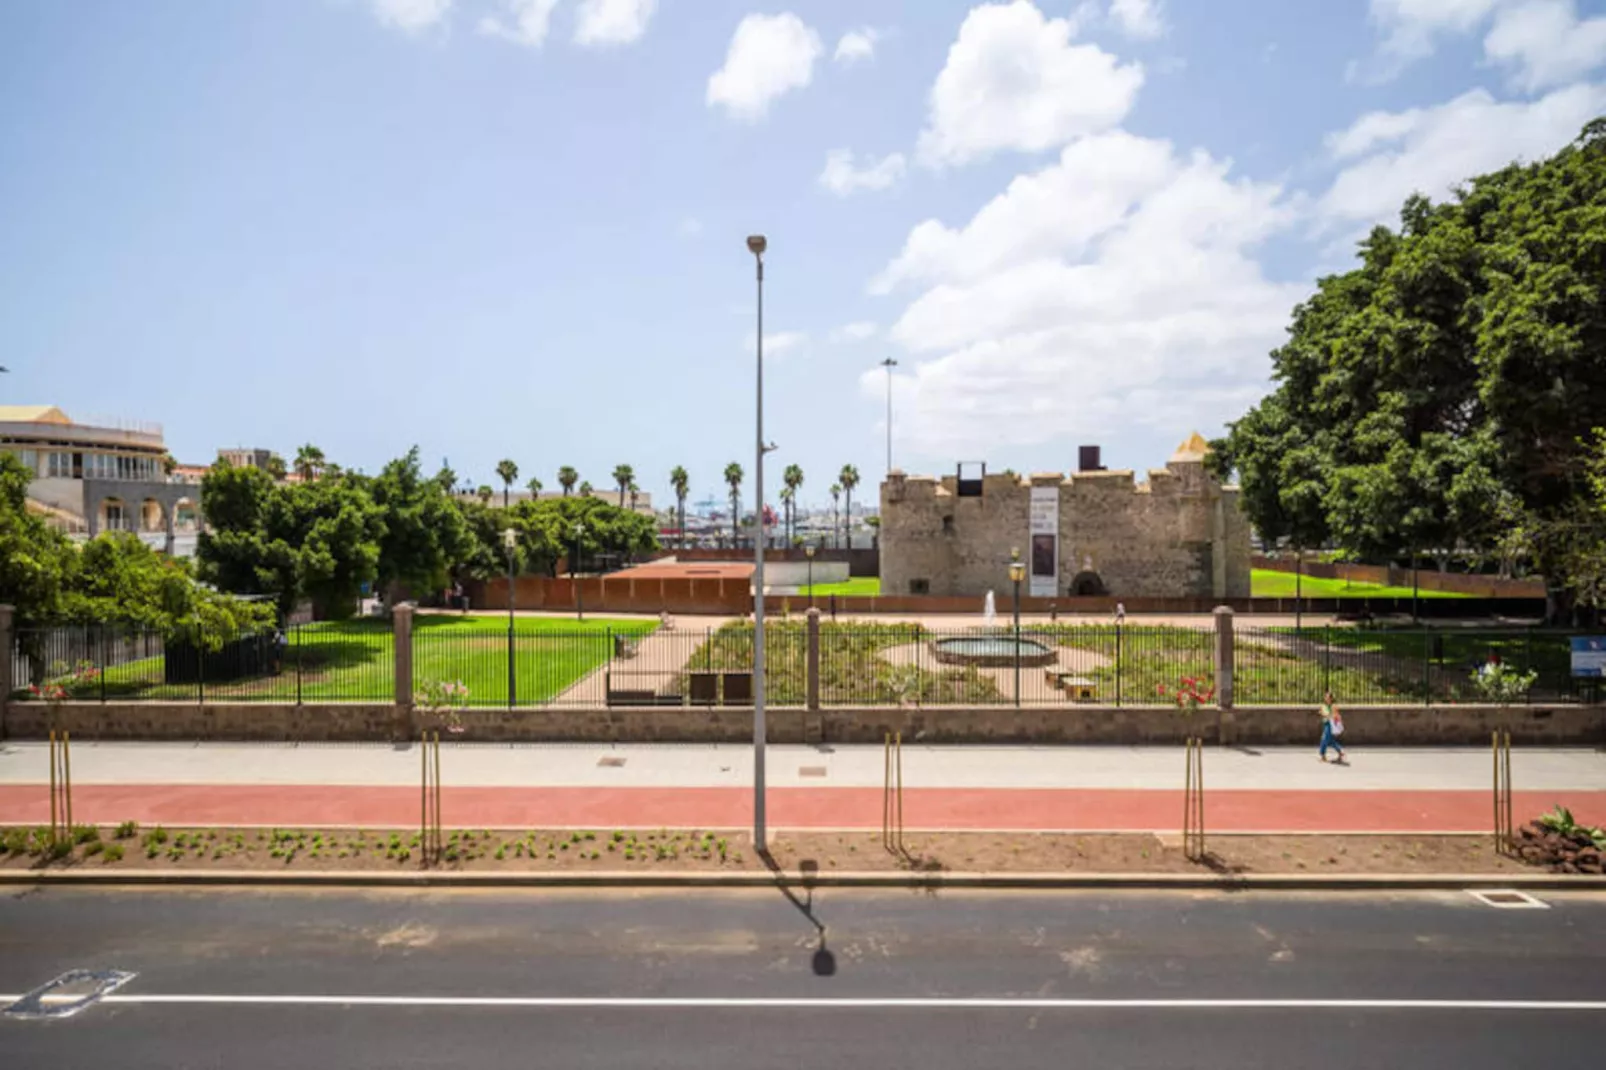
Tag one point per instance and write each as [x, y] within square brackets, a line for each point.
[991, 651]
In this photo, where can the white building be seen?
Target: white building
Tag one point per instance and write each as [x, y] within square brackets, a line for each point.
[101, 475]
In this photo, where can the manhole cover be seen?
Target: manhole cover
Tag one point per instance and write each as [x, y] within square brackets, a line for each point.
[611, 763]
[1509, 899]
[68, 994]
[811, 770]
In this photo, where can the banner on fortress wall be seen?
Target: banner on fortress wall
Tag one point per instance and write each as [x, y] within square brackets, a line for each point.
[1043, 567]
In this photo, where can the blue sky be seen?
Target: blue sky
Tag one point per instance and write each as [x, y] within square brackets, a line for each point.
[515, 227]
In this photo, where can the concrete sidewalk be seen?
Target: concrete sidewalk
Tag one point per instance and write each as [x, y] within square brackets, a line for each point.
[492, 765]
[687, 786]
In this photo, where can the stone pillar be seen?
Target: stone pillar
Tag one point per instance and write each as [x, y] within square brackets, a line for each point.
[1224, 667]
[812, 687]
[402, 640]
[8, 646]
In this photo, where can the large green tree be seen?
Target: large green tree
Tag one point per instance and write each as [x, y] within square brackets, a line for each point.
[423, 532]
[1448, 382]
[35, 560]
[318, 540]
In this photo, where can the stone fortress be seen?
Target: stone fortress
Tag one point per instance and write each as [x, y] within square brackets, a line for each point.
[1093, 532]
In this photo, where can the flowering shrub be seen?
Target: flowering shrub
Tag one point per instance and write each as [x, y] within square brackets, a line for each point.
[1190, 693]
[443, 700]
[65, 685]
[1501, 685]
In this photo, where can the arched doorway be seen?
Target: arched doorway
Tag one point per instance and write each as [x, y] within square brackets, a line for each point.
[113, 517]
[1087, 585]
[152, 516]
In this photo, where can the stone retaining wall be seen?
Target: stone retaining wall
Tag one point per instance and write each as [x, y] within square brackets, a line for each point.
[1246, 726]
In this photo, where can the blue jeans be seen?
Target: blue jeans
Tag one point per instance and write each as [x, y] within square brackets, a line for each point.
[1330, 740]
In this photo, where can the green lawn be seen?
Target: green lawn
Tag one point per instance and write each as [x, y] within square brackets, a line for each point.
[859, 587]
[1270, 583]
[354, 661]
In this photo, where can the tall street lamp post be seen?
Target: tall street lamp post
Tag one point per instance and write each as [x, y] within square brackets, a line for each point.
[1017, 572]
[756, 245]
[510, 542]
[808, 552]
[579, 597]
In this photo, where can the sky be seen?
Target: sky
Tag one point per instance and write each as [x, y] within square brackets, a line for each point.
[516, 228]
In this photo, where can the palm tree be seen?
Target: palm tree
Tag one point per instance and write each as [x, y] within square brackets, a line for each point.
[276, 467]
[507, 472]
[567, 478]
[585, 490]
[635, 491]
[485, 493]
[849, 478]
[836, 511]
[787, 494]
[309, 462]
[681, 483]
[733, 478]
[534, 486]
[793, 479]
[623, 475]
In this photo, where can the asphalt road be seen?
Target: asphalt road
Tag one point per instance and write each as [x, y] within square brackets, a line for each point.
[304, 979]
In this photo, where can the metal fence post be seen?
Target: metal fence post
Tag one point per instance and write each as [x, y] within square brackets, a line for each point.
[1117, 664]
[102, 673]
[1427, 667]
[1327, 659]
[295, 637]
[200, 669]
[1528, 662]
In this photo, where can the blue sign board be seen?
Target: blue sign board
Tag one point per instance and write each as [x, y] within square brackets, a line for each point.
[1589, 655]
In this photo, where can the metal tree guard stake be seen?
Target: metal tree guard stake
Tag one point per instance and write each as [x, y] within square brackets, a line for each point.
[1193, 831]
[1503, 832]
[892, 793]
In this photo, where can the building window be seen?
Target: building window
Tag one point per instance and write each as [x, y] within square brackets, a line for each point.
[58, 466]
[919, 586]
[948, 525]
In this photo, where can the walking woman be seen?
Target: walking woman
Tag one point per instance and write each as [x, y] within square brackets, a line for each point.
[1332, 727]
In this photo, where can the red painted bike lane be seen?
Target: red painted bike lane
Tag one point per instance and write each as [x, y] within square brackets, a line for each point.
[1034, 809]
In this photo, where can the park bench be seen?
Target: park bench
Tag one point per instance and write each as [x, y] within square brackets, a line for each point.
[709, 687]
[1077, 688]
[624, 646]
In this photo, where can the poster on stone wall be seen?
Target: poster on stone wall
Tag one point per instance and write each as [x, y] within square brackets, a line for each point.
[1044, 516]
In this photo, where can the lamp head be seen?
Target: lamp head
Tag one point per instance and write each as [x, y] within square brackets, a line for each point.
[808, 551]
[756, 244]
[1017, 570]
[510, 538]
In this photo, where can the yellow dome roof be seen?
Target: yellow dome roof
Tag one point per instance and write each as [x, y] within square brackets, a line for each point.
[1193, 448]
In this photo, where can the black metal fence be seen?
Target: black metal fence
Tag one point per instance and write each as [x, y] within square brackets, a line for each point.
[859, 664]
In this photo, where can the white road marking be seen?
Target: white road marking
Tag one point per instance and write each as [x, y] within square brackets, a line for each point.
[872, 1003]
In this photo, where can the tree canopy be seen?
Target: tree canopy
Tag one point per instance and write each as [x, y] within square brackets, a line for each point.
[111, 579]
[1450, 383]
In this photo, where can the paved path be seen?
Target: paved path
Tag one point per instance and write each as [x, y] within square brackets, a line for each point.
[256, 980]
[636, 786]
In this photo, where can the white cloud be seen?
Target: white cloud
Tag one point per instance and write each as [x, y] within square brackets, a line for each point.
[410, 16]
[612, 22]
[1431, 150]
[856, 45]
[530, 21]
[1545, 42]
[1411, 28]
[1137, 18]
[777, 344]
[1115, 287]
[1014, 81]
[769, 55]
[860, 331]
[842, 178]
